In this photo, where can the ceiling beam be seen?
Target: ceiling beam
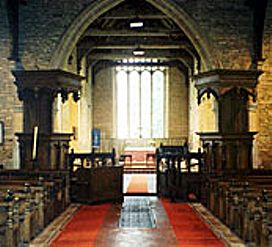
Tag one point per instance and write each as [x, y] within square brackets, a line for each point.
[133, 33]
[138, 16]
[111, 63]
[259, 10]
[159, 54]
[134, 43]
[170, 63]
[129, 47]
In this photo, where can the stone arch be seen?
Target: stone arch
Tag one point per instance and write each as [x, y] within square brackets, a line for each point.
[174, 11]
[267, 30]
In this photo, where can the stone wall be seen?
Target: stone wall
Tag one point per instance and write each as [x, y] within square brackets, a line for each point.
[208, 114]
[103, 111]
[10, 106]
[177, 104]
[264, 103]
[227, 25]
[42, 25]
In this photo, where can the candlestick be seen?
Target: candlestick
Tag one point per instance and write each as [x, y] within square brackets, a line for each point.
[35, 139]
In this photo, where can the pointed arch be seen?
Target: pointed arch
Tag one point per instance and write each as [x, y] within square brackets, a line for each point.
[172, 10]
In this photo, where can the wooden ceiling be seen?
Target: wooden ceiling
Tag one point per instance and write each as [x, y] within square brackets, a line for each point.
[110, 37]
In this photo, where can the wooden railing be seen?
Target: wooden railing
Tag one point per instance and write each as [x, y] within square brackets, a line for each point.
[91, 160]
[178, 176]
[95, 177]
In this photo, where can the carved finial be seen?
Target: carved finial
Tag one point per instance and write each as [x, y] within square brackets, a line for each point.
[9, 197]
[76, 96]
[64, 95]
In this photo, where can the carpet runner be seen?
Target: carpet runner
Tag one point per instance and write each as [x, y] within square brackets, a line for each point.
[138, 184]
[190, 230]
[137, 213]
[82, 230]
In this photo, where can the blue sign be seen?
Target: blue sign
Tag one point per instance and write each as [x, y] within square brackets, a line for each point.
[96, 138]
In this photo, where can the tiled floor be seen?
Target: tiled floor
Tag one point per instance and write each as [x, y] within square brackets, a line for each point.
[111, 235]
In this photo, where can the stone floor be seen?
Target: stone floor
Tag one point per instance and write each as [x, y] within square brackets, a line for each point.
[111, 235]
[137, 212]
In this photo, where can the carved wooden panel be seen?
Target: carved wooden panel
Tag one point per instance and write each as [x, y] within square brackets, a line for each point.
[90, 185]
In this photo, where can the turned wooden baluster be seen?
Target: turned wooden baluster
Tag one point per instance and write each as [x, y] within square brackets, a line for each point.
[266, 231]
[10, 236]
[27, 214]
[234, 212]
[257, 230]
[245, 222]
[229, 204]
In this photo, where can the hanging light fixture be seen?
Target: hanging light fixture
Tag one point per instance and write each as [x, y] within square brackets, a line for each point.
[138, 52]
[136, 23]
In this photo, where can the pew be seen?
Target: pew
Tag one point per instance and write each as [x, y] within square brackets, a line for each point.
[9, 228]
[35, 198]
[43, 195]
[32, 212]
[244, 203]
[61, 178]
[23, 215]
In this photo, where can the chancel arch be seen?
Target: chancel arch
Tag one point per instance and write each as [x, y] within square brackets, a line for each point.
[200, 40]
[100, 37]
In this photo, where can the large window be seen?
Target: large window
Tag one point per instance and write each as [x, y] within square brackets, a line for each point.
[140, 86]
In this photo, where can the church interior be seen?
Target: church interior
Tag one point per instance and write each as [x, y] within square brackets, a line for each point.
[135, 123]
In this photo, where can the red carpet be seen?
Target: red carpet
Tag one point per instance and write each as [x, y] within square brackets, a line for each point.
[138, 184]
[82, 230]
[190, 230]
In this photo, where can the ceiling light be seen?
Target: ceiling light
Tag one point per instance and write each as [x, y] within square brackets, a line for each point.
[136, 23]
[138, 52]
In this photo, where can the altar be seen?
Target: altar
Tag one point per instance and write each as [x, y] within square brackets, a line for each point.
[139, 157]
